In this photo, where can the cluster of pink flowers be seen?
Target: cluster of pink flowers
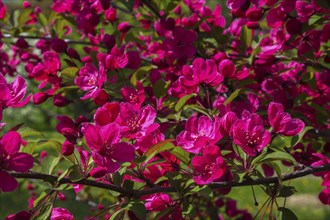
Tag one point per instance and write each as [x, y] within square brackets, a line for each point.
[176, 97]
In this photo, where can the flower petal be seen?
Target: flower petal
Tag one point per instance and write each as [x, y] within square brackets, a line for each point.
[123, 152]
[7, 183]
[11, 142]
[20, 162]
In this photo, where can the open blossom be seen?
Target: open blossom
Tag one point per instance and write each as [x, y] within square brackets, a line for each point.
[282, 122]
[134, 96]
[49, 66]
[199, 132]
[11, 159]
[117, 59]
[249, 133]
[107, 150]
[61, 214]
[136, 123]
[208, 167]
[91, 80]
[201, 71]
[11, 95]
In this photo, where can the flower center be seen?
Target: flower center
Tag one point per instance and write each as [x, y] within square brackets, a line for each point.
[133, 123]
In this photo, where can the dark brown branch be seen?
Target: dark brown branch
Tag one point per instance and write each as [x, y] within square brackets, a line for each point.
[138, 193]
[69, 41]
[218, 185]
[86, 182]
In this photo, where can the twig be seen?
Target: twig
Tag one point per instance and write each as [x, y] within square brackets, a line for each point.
[138, 193]
[69, 41]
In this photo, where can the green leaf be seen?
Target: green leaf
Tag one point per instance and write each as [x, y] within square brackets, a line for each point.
[163, 213]
[116, 213]
[160, 88]
[49, 163]
[42, 19]
[277, 169]
[45, 212]
[65, 89]
[138, 208]
[65, 172]
[233, 96]
[287, 191]
[140, 73]
[40, 197]
[176, 180]
[197, 108]
[285, 214]
[69, 72]
[182, 101]
[159, 147]
[128, 184]
[75, 173]
[280, 142]
[129, 4]
[24, 16]
[29, 134]
[246, 36]
[181, 154]
[205, 190]
[313, 19]
[48, 144]
[278, 155]
[188, 210]
[296, 139]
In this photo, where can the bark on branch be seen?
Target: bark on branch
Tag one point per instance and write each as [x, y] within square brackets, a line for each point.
[138, 193]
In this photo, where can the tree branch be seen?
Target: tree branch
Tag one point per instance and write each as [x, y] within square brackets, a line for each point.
[138, 193]
[69, 41]
[86, 182]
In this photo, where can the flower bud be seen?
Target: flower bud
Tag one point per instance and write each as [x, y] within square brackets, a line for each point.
[67, 148]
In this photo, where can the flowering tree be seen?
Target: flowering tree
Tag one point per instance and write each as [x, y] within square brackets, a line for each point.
[163, 106]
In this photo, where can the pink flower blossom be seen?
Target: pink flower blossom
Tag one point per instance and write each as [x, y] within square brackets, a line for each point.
[87, 19]
[134, 96]
[226, 123]
[136, 123]
[201, 72]
[282, 122]
[235, 4]
[107, 150]
[199, 132]
[158, 202]
[208, 167]
[275, 17]
[61, 214]
[107, 113]
[117, 59]
[322, 161]
[23, 215]
[11, 159]
[249, 133]
[91, 80]
[324, 196]
[11, 95]
[49, 66]
[2, 10]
